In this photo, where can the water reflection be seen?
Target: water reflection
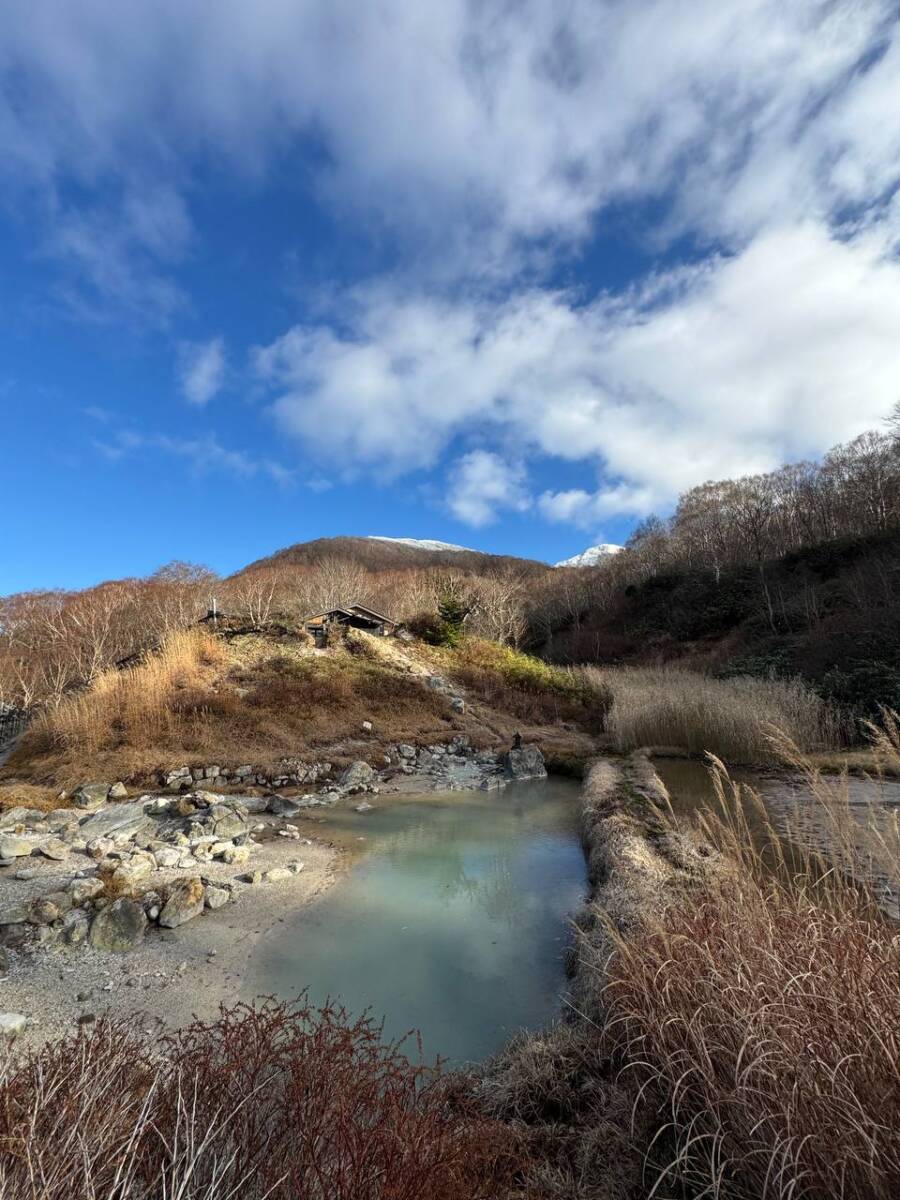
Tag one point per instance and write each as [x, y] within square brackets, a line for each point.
[454, 922]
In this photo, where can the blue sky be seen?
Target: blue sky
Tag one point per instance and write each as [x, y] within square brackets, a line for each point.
[511, 275]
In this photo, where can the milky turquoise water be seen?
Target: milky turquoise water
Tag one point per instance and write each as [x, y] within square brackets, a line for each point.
[454, 921]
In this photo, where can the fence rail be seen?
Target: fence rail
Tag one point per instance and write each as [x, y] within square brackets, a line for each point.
[12, 723]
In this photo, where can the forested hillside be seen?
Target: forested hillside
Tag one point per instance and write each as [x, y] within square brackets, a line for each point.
[797, 571]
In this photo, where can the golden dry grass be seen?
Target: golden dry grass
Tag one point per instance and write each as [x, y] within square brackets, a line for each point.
[766, 1013]
[26, 795]
[202, 700]
[729, 717]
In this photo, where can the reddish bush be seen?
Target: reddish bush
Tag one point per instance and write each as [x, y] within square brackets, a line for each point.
[279, 1101]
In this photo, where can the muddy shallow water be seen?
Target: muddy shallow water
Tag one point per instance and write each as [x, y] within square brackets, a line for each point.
[454, 920]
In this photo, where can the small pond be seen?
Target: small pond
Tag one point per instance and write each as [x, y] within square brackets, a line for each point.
[453, 921]
[870, 802]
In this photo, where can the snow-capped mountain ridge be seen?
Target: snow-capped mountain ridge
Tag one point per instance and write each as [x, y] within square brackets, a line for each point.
[418, 543]
[592, 557]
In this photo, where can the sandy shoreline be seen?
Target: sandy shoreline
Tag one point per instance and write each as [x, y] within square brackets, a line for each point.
[175, 974]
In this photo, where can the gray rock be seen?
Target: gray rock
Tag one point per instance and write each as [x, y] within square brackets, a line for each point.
[82, 890]
[90, 795]
[55, 849]
[283, 806]
[75, 927]
[13, 914]
[25, 874]
[42, 912]
[184, 902]
[364, 807]
[121, 823]
[406, 751]
[458, 704]
[526, 762]
[15, 847]
[12, 1024]
[254, 804]
[216, 897]
[119, 927]
[228, 820]
[118, 791]
[4, 961]
[18, 816]
[357, 775]
[167, 856]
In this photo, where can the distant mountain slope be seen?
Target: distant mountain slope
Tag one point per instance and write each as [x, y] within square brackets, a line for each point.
[391, 554]
[592, 557]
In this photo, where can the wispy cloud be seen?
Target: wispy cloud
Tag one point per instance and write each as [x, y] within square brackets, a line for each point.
[201, 369]
[205, 455]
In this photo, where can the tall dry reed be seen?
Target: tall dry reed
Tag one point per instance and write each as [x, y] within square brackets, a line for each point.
[765, 1011]
[139, 704]
[730, 717]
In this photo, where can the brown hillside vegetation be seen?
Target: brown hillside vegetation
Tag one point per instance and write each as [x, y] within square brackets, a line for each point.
[278, 1102]
[201, 698]
[261, 697]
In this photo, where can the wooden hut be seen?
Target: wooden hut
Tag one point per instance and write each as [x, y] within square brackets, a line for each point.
[353, 616]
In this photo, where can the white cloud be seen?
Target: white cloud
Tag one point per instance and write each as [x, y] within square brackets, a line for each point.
[469, 129]
[718, 370]
[481, 484]
[202, 368]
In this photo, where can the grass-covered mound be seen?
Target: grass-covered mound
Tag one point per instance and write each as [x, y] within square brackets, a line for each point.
[202, 698]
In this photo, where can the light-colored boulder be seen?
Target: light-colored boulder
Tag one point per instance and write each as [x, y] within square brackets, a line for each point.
[118, 791]
[90, 795]
[183, 903]
[358, 775]
[54, 849]
[236, 855]
[277, 874]
[120, 822]
[15, 847]
[119, 927]
[12, 1024]
[216, 897]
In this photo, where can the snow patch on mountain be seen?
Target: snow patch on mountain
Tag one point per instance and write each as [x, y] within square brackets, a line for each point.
[418, 543]
[592, 557]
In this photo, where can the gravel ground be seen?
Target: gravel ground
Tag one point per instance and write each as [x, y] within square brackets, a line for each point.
[176, 974]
